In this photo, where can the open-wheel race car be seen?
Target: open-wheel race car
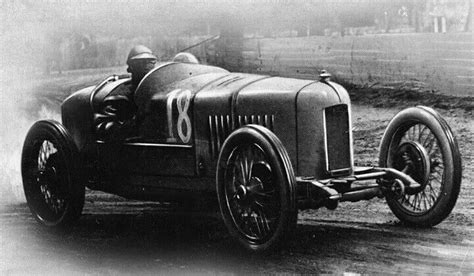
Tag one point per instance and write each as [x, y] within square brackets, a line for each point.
[260, 147]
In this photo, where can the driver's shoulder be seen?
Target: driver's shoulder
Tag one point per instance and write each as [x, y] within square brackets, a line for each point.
[126, 89]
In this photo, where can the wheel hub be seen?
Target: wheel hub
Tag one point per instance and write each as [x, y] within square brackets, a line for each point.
[241, 192]
[245, 192]
[413, 159]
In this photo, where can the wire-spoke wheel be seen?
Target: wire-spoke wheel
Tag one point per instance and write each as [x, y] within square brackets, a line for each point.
[51, 179]
[420, 143]
[255, 187]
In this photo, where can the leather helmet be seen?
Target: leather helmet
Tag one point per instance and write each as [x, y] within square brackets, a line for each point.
[185, 58]
[140, 52]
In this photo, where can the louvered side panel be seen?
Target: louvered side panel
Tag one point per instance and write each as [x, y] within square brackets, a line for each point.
[220, 127]
[267, 121]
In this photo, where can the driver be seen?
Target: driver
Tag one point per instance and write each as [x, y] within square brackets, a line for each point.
[117, 117]
[140, 61]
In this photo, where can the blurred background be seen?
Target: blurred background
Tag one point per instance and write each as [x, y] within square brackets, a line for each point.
[357, 40]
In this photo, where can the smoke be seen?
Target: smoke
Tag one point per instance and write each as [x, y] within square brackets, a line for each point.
[21, 47]
[13, 128]
[19, 110]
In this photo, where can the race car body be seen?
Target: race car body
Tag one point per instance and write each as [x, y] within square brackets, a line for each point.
[188, 110]
[260, 147]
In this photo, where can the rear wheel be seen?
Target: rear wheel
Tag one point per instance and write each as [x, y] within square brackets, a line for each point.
[256, 188]
[51, 176]
[420, 143]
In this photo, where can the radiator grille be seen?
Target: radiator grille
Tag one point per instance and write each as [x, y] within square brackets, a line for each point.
[338, 140]
[220, 126]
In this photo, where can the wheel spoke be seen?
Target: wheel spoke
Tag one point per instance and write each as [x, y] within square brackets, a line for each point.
[420, 200]
[235, 178]
[428, 144]
[408, 134]
[265, 194]
[270, 207]
[49, 181]
[419, 143]
[427, 204]
[415, 201]
[251, 194]
[261, 220]
[267, 203]
[434, 150]
[408, 201]
[437, 164]
[264, 222]
[258, 227]
[244, 168]
[403, 199]
[434, 144]
[422, 136]
[436, 174]
[242, 222]
[433, 190]
[434, 179]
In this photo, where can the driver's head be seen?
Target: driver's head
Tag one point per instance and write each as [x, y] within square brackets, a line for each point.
[184, 57]
[140, 61]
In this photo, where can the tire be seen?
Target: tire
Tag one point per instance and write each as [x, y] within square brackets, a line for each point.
[256, 188]
[420, 143]
[51, 176]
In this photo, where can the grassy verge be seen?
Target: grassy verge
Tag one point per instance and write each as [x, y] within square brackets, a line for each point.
[383, 96]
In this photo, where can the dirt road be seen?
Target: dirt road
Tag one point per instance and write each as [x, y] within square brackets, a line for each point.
[129, 237]
[115, 236]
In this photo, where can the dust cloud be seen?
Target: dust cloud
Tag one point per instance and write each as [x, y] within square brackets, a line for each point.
[22, 58]
[16, 117]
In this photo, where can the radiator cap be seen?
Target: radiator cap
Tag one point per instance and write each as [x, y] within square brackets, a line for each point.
[324, 75]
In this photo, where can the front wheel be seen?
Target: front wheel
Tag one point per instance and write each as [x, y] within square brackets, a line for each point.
[51, 176]
[256, 188]
[420, 143]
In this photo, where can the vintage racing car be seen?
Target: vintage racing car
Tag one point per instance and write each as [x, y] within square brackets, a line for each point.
[260, 147]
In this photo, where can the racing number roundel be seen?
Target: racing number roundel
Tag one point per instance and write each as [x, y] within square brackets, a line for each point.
[182, 123]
